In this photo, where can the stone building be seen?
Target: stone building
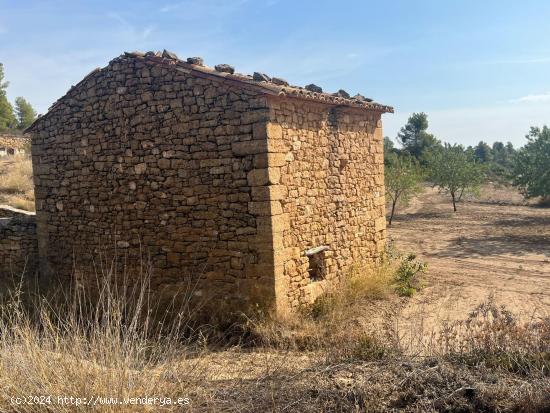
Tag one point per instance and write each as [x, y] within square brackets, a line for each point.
[252, 190]
[11, 144]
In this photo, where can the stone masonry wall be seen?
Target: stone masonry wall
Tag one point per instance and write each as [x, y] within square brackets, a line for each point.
[11, 144]
[331, 193]
[18, 245]
[166, 167]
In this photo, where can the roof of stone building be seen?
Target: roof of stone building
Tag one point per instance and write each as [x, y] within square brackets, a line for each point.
[258, 81]
[10, 140]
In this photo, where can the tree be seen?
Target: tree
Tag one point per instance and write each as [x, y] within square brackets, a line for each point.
[7, 118]
[531, 168]
[414, 136]
[402, 179]
[25, 113]
[483, 152]
[389, 149]
[454, 171]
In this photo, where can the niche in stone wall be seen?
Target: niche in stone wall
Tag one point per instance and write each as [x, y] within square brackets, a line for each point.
[317, 268]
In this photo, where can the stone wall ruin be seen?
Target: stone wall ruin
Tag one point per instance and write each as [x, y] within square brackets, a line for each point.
[213, 178]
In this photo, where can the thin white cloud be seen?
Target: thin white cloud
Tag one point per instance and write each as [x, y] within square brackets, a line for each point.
[541, 97]
[534, 60]
[147, 32]
[170, 7]
[197, 9]
[510, 61]
[132, 32]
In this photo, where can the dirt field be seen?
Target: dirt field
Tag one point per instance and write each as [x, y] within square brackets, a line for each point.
[493, 246]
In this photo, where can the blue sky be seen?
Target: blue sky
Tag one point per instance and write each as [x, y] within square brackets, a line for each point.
[480, 69]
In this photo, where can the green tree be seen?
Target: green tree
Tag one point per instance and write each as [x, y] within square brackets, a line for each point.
[389, 149]
[414, 136]
[483, 152]
[7, 118]
[531, 169]
[454, 171]
[25, 113]
[402, 180]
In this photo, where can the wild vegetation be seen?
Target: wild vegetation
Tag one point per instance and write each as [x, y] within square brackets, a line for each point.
[531, 170]
[453, 171]
[346, 352]
[16, 182]
[353, 349]
[11, 120]
[460, 171]
[402, 179]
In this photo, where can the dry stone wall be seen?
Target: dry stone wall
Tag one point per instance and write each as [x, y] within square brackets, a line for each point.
[331, 194]
[11, 144]
[160, 164]
[18, 245]
[240, 189]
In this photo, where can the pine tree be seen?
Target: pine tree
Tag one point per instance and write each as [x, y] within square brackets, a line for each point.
[414, 136]
[25, 113]
[7, 118]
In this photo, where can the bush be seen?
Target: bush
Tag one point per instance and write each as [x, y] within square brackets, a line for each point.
[407, 275]
[492, 337]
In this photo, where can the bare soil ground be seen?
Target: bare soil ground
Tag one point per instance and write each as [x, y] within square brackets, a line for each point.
[496, 245]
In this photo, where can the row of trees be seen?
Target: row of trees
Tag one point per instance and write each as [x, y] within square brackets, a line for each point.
[10, 119]
[416, 141]
[457, 170]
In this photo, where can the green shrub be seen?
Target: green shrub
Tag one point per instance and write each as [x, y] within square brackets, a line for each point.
[407, 280]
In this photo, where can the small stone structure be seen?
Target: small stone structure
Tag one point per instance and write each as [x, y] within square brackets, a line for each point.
[11, 144]
[18, 244]
[249, 189]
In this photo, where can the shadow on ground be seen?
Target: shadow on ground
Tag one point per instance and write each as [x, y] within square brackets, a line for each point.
[497, 245]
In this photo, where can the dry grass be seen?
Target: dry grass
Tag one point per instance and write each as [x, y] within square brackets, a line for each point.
[343, 353]
[110, 349]
[16, 182]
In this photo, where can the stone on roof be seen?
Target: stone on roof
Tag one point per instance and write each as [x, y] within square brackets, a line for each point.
[259, 82]
[199, 61]
[314, 88]
[169, 55]
[225, 68]
[279, 81]
[261, 77]
[342, 93]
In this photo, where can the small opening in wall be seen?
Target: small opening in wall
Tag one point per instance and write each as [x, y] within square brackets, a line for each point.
[316, 268]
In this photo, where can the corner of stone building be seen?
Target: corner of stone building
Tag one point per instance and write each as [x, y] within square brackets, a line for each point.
[380, 198]
[267, 191]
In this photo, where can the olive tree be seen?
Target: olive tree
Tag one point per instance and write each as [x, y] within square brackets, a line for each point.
[454, 171]
[402, 180]
[531, 167]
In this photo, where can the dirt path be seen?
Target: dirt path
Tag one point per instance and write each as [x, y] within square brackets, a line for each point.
[492, 246]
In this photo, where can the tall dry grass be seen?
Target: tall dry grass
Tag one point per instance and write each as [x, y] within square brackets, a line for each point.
[16, 182]
[343, 353]
[339, 325]
[101, 351]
